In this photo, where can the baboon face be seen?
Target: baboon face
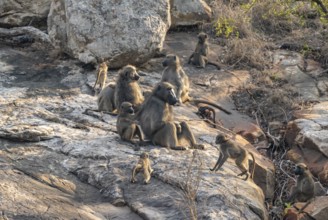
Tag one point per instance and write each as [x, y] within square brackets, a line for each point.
[300, 168]
[166, 92]
[129, 73]
[202, 37]
[220, 138]
[127, 107]
[171, 60]
[144, 155]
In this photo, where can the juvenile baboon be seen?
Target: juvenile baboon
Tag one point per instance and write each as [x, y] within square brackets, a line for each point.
[106, 102]
[230, 149]
[126, 127]
[199, 57]
[175, 75]
[144, 165]
[207, 112]
[127, 88]
[304, 188]
[101, 76]
[156, 120]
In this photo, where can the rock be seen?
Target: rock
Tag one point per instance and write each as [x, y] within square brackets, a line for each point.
[14, 13]
[307, 136]
[122, 32]
[189, 12]
[317, 209]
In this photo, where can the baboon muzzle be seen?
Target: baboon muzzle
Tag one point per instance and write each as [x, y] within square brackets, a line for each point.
[164, 63]
[136, 77]
[131, 111]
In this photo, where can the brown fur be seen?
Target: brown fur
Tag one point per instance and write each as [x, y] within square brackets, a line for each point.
[106, 102]
[126, 127]
[142, 165]
[175, 75]
[230, 149]
[207, 112]
[199, 56]
[303, 191]
[101, 76]
[156, 120]
[127, 88]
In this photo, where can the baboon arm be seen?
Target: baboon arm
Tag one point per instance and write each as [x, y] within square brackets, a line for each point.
[217, 162]
[205, 50]
[139, 133]
[223, 160]
[136, 170]
[97, 79]
[191, 56]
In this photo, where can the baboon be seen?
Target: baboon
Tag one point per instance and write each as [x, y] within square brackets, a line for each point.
[106, 101]
[199, 57]
[126, 127]
[127, 88]
[175, 75]
[101, 76]
[303, 191]
[156, 120]
[207, 112]
[290, 215]
[143, 164]
[232, 150]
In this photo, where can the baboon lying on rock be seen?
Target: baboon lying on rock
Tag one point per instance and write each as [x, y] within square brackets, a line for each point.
[156, 120]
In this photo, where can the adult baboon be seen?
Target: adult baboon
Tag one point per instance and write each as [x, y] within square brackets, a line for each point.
[156, 120]
[101, 76]
[230, 149]
[175, 75]
[127, 87]
[304, 188]
[106, 102]
[199, 57]
[126, 127]
[144, 165]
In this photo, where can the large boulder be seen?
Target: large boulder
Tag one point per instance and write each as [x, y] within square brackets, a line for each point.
[307, 135]
[189, 12]
[122, 32]
[14, 13]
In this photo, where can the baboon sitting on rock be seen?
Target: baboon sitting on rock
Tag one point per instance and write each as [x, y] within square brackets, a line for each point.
[156, 120]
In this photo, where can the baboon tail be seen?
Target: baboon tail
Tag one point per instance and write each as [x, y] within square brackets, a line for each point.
[214, 64]
[197, 101]
[253, 167]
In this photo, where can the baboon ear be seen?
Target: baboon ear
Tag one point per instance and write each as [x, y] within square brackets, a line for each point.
[175, 57]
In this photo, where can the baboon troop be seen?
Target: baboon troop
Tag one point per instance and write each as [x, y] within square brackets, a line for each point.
[229, 149]
[199, 57]
[126, 127]
[101, 76]
[143, 164]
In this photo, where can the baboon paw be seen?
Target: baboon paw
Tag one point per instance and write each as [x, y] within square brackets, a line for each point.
[146, 182]
[133, 181]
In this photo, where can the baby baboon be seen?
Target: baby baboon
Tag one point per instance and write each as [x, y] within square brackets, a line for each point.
[175, 75]
[232, 150]
[207, 112]
[199, 57]
[143, 164]
[127, 87]
[304, 188]
[156, 120]
[101, 76]
[106, 102]
[126, 127]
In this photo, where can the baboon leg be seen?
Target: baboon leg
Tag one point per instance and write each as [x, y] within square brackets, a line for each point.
[135, 171]
[128, 134]
[217, 162]
[138, 132]
[167, 137]
[188, 135]
[241, 163]
[223, 160]
[146, 175]
[202, 61]
[189, 60]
